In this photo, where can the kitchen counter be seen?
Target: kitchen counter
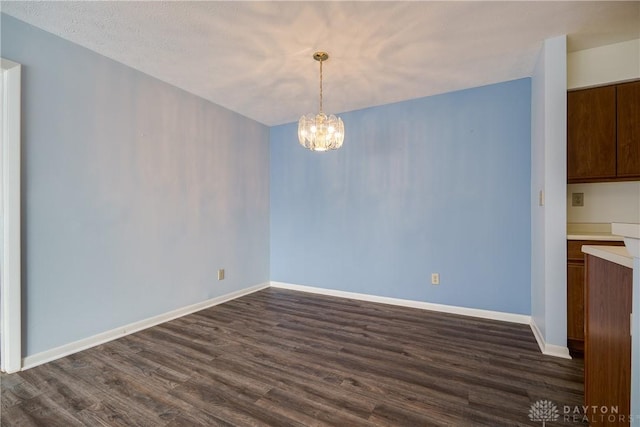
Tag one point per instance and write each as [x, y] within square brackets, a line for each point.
[595, 236]
[631, 235]
[591, 231]
[616, 254]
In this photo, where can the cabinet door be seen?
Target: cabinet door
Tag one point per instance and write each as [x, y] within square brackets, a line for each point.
[628, 101]
[575, 305]
[591, 134]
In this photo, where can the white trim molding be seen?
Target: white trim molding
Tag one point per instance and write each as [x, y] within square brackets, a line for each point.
[10, 263]
[548, 349]
[465, 311]
[101, 338]
[86, 343]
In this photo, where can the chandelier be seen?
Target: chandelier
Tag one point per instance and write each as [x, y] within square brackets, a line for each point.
[319, 132]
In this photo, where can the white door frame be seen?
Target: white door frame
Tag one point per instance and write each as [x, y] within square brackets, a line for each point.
[10, 264]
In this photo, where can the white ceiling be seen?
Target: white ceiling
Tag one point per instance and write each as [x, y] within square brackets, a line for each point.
[255, 58]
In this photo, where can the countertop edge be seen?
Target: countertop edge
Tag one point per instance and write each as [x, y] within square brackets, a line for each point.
[615, 254]
[599, 237]
[626, 229]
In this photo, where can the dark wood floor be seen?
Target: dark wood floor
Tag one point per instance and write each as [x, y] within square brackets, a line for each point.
[282, 358]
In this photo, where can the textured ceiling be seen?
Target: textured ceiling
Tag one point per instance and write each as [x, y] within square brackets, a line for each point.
[255, 58]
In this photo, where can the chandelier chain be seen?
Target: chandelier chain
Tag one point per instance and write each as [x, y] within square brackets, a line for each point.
[321, 85]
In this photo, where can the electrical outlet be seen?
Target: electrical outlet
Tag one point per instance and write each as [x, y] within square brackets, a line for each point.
[435, 278]
[221, 274]
[577, 199]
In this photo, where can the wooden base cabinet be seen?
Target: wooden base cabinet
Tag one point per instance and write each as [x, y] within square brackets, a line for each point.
[575, 292]
[575, 307]
[607, 358]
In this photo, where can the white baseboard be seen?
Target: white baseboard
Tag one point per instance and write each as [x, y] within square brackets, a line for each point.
[473, 312]
[548, 349]
[101, 338]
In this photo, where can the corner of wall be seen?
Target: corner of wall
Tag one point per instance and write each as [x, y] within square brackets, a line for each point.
[548, 211]
[548, 349]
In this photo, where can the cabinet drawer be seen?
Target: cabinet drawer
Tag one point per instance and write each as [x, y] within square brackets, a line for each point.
[574, 251]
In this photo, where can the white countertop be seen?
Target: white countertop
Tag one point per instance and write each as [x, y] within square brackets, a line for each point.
[615, 254]
[595, 236]
[631, 234]
[626, 230]
[591, 231]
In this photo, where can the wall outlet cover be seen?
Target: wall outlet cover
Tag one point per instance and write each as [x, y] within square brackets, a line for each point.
[577, 199]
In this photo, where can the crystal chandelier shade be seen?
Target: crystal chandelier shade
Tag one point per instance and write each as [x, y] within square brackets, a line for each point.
[319, 132]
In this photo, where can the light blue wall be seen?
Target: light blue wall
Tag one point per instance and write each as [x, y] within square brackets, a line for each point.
[438, 184]
[134, 193]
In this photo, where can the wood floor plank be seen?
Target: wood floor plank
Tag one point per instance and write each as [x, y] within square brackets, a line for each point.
[38, 411]
[285, 358]
[15, 392]
[388, 415]
[63, 389]
[289, 403]
[197, 418]
[124, 390]
[234, 406]
[308, 387]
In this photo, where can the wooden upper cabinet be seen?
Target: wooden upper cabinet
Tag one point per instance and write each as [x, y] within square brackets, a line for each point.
[591, 134]
[628, 104]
